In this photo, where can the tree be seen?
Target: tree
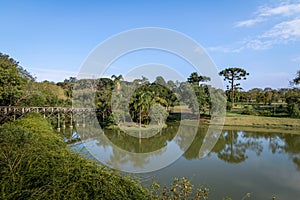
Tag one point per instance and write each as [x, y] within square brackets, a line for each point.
[68, 86]
[293, 102]
[195, 79]
[158, 114]
[116, 80]
[103, 95]
[162, 93]
[188, 96]
[11, 80]
[42, 94]
[233, 74]
[140, 103]
[25, 74]
[268, 96]
[160, 81]
[296, 81]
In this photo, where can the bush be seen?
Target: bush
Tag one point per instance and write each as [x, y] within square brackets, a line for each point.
[158, 114]
[294, 110]
[266, 113]
[37, 164]
[181, 188]
[248, 110]
[228, 106]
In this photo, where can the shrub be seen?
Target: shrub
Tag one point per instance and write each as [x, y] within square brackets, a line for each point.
[228, 106]
[294, 110]
[181, 188]
[266, 113]
[248, 111]
[37, 164]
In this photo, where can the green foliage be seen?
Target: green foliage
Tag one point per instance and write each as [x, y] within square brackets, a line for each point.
[294, 110]
[217, 102]
[36, 164]
[158, 114]
[146, 95]
[293, 101]
[18, 87]
[248, 110]
[296, 80]
[266, 113]
[228, 106]
[140, 104]
[231, 75]
[181, 188]
[203, 97]
[43, 94]
[188, 96]
[67, 85]
[11, 81]
[196, 96]
[195, 79]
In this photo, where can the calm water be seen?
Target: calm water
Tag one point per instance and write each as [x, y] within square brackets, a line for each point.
[261, 163]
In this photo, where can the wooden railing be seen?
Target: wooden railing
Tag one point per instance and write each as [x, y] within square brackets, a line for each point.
[61, 114]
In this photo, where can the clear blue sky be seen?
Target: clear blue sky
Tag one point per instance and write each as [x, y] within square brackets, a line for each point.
[51, 39]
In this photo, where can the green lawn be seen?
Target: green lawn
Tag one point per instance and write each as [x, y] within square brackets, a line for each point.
[235, 119]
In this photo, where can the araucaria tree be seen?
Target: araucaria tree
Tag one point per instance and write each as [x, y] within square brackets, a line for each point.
[195, 79]
[232, 75]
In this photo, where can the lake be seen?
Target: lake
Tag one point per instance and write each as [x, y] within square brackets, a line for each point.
[240, 162]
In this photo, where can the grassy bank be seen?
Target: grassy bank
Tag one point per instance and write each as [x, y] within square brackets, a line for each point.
[234, 119]
[37, 164]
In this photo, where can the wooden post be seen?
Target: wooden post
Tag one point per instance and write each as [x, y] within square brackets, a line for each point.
[64, 122]
[83, 123]
[77, 121]
[14, 114]
[140, 137]
[58, 122]
[71, 121]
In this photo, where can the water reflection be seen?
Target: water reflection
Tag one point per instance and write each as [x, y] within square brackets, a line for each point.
[264, 163]
[287, 143]
[232, 146]
[127, 153]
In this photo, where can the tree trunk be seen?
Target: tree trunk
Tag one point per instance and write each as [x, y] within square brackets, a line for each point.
[140, 117]
[232, 93]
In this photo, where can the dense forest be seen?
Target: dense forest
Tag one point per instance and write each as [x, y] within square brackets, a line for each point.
[117, 100]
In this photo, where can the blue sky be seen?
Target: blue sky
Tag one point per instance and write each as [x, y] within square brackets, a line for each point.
[51, 39]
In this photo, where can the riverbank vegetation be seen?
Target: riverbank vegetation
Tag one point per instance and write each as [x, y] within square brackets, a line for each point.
[37, 164]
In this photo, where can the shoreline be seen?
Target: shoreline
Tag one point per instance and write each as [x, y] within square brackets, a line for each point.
[235, 121]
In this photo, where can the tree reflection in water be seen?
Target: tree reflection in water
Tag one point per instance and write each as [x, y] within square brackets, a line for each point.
[232, 146]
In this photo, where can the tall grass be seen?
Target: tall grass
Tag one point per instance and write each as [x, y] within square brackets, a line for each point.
[35, 163]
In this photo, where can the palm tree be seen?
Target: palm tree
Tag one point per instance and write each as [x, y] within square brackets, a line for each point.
[116, 80]
[140, 105]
